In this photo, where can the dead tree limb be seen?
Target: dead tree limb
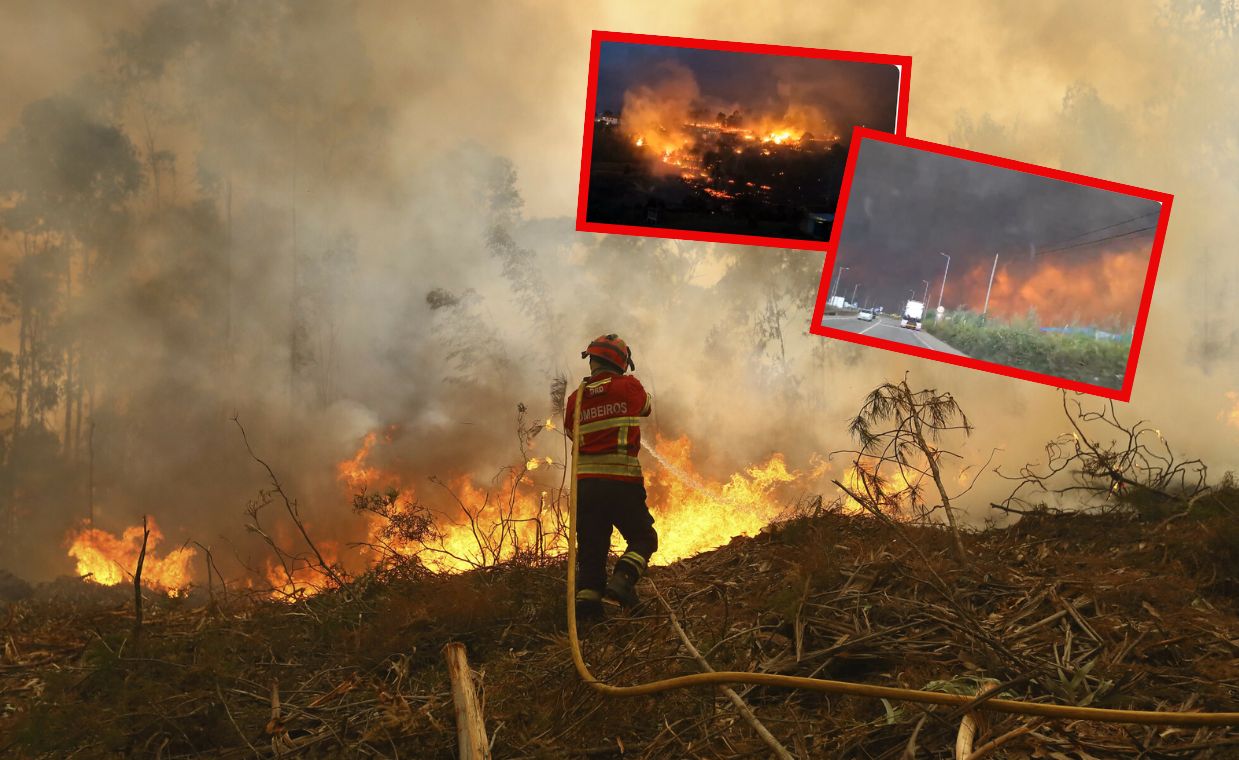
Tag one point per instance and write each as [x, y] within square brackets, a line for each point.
[291, 507]
[137, 590]
[741, 707]
[1137, 462]
[470, 725]
[985, 749]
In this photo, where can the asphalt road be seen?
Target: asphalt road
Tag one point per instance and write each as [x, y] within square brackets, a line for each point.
[887, 328]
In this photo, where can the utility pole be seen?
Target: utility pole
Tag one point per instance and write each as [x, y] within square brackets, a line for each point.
[925, 297]
[854, 287]
[945, 272]
[991, 285]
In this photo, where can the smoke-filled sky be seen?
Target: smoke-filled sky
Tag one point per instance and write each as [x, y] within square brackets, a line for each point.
[839, 94]
[1069, 251]
[358, 216]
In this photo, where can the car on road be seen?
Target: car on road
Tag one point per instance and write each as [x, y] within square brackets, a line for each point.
[912, 314]
[865, 315]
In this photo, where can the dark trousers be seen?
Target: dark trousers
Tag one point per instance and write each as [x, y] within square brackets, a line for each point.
[601, 506]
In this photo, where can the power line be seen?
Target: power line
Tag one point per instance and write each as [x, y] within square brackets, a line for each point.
[1107, 227]
[1095, 242]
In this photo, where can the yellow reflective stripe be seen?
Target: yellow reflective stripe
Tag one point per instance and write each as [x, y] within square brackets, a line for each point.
[624, 459]
[633, 471]
[634, 558]
[621, 441]
[597, 383]
[649, 404]
[588, 595]
[594, 427]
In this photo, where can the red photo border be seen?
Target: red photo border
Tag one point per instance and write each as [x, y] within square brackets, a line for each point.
[860, 134]
[904, 62]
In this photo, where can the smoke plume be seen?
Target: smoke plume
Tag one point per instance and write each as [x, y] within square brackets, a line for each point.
[334, 219]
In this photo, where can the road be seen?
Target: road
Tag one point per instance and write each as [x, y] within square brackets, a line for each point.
[887, 328]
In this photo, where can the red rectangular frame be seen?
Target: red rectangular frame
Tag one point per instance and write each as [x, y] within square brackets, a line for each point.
[860, 134]
[904, 62]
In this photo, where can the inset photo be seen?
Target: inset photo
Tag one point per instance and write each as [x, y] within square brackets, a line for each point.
[726, 141]
[992, 264]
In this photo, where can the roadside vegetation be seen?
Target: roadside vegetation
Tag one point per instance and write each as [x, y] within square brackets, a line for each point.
[1020, 343]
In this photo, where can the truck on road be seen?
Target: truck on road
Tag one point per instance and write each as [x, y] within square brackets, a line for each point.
[912, 314]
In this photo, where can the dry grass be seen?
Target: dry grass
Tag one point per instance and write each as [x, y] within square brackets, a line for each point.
[1108, 610]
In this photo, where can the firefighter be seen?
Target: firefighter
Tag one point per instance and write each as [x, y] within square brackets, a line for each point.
[610, 486]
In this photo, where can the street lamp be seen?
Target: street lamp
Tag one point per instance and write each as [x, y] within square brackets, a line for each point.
[925, 297]
[990, 286]
[945, 272]
[839, 279]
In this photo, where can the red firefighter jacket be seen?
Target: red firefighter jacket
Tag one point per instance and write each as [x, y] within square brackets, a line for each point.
[610, 426]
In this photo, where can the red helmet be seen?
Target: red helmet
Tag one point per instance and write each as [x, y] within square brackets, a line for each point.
[612, 350]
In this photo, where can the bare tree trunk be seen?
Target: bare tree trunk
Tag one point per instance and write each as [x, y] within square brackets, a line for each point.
[137, 590]
[90, 474]
[931, 456]
[77, 414]
[228, 273]
[22, 332]
[470, 726]
[67, 442]
[294, 316]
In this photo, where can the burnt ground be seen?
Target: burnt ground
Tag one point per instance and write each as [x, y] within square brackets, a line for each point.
[1113, 610]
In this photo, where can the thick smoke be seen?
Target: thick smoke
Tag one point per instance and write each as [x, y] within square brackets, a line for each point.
[357, 218]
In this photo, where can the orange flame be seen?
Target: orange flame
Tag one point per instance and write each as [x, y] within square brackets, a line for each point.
[109, 560]
[693, 514]
[893, 483]
[1090, 288]
[354, 471]
[1231, 415]
[303, 576]
[479, 525]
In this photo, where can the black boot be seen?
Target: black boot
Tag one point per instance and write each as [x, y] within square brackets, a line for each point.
[589, 606]
[622, 588]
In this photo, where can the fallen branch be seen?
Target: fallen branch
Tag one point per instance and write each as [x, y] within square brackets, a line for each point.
[741, 707]
[993, 744]
[972, 725]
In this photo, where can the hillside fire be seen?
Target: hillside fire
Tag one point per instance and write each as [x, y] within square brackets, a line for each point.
[477, 525]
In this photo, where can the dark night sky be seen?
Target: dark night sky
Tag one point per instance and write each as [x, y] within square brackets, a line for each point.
[852, 92]
[907, 205]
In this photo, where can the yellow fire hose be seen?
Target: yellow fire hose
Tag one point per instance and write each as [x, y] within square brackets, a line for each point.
[1068, 712]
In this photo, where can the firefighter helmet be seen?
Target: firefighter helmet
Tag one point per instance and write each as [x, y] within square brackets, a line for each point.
[612, 350]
